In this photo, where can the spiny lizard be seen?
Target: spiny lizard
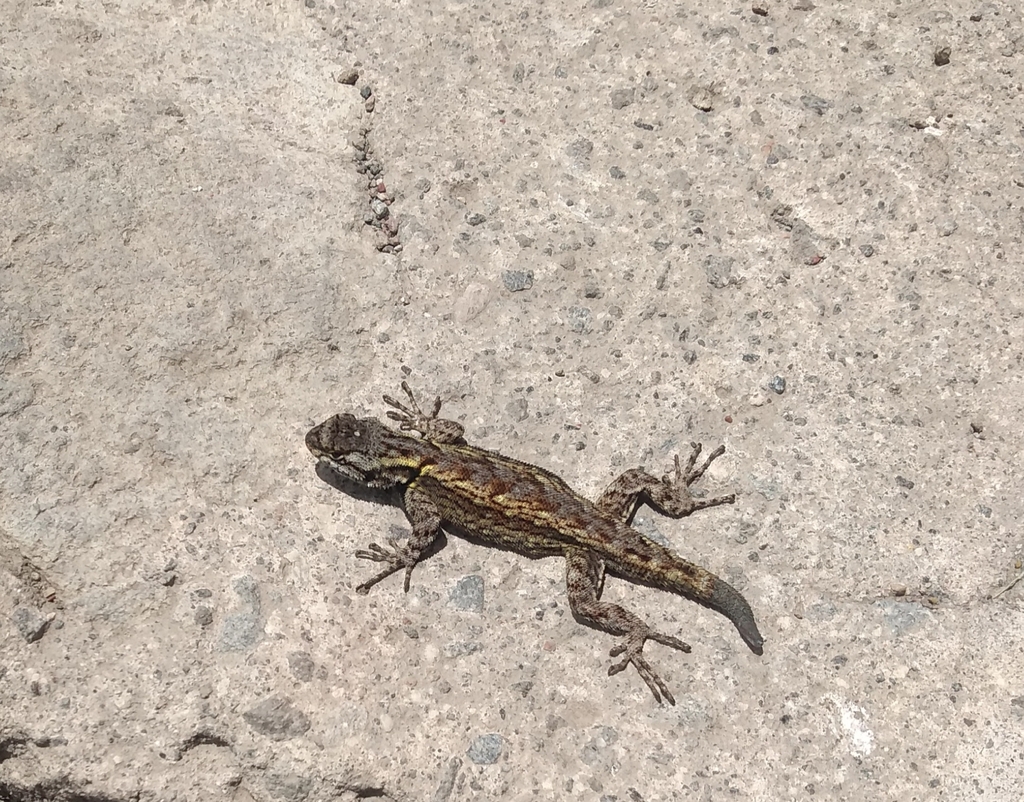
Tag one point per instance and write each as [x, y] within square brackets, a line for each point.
[503, 502]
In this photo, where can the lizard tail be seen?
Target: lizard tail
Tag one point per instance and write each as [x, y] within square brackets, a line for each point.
[700, 585]
[726, 600]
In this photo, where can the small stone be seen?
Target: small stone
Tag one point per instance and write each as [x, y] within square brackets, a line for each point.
[904, 483]
[301, 665]
[899, 590]
[475, 219]
[701, 98]
[379, 209]
[30, 623]
[349, 76]
[946, 227]
[203, 616]
[622, 98]
[365, 92]
[816, 104]
[289, 787]
[370, 104]
[486, 749]
[942, 55]
[517, 280]
[240, 632]
[579, 319]
[867, 250]
[616, 172]
[777, 385]
[468, 594]
[277, 718]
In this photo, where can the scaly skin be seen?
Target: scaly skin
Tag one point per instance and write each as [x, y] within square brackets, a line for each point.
[527, 509]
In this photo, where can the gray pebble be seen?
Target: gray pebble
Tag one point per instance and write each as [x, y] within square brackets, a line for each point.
[816, 104]
[946, 227]
[365, 92]
[616, 172]
[904, 483]
[518, 409]
[248, 592]
[462, 648]
[622, 98]
[277, 718]
[485, 749]
[942, 55]
[349, 76]
[30, 623]
[290, 787]
[580, 149]
[301, 665]
[902, 616]
[475, 219]
[517, 280]
[203, 616]
[777, 385]
[379, 209]
[867, 250]
[579, 319]
[468, 594]
[240, 632]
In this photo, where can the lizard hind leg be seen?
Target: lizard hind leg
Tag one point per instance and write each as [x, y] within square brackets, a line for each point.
[584, 575]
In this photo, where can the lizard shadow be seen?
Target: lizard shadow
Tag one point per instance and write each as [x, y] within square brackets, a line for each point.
[385, 497]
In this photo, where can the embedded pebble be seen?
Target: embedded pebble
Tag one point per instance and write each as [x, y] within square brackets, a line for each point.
[468, 594]
[517, 280]
[30, 623]
[486, 749]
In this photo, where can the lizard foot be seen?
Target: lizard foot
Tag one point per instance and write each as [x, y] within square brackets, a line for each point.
[412, 418]
[633, 648]
[680, 483]
[397, 558]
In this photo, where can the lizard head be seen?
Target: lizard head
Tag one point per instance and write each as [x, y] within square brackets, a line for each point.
[364, 450]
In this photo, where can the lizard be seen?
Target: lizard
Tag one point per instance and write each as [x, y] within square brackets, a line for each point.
[445, 482]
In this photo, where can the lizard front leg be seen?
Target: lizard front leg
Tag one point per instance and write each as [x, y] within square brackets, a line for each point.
[426, 523]
[432, 428]
[670, 495]
[584, 575]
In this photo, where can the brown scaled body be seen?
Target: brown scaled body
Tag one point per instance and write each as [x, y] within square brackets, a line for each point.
[501, 501]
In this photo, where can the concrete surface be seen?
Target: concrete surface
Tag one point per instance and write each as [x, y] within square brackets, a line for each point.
[602, 231]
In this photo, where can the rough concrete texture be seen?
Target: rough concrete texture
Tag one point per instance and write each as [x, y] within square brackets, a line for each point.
[603, 231]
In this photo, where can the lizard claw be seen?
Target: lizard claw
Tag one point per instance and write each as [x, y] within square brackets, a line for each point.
[633, 647]
[397, 558]
[679, 484]
[690, 475]
[413, 419]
